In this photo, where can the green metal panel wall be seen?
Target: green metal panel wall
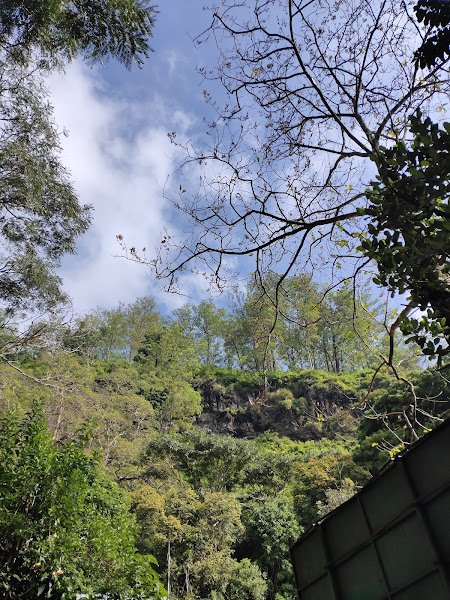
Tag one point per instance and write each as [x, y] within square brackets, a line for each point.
[391, 540]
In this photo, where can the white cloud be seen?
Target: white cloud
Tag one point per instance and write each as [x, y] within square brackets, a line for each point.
[119, 157]
[172, 58]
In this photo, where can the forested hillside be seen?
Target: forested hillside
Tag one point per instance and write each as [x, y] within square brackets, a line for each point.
[222, 464]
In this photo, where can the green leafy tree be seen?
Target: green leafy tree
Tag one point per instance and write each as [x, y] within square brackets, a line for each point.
[111, 333]
[192, 535]
[247, 583]
[236, 339]
[262, 324]
[299, 323]
[300, 347]
[40, 214]
[348, 329]
[180, 406]
[141, 317]
[207, 323]
[409, 235]
[192, 510]
[255, 329]
[167, 350]
[82, 337]
[60, 30]
[166, 360]
[64, 527]
[271, 528]
[73, 390]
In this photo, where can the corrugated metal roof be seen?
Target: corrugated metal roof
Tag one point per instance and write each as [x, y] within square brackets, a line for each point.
[389, 541]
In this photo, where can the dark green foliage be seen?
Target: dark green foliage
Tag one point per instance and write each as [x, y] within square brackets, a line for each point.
[190, 518]
[271, 528]
[435, 49]
[116, 333]
[246, 583]
[210, 462]
[244, 381]
[283, 398]
[301, 382]
[41, 216]
[167, 349]
[409, 236]
[64, 527]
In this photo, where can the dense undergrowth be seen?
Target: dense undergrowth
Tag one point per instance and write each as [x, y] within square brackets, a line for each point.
[216, 507]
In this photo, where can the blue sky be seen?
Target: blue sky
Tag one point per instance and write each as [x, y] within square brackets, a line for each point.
[115, 145]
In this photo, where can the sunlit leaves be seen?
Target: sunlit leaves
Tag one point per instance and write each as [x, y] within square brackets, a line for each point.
[409, 231]
[65, 528]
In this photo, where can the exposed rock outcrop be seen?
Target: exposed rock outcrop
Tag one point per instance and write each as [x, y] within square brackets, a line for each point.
[230, 411]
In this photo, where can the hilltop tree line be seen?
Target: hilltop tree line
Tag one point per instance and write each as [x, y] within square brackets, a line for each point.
[311, 328]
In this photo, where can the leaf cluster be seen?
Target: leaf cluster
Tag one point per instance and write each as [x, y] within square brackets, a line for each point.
[60, 30]
[435, 14]
[410, 229]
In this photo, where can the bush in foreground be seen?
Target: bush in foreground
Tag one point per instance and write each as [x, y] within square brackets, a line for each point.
[65, 528]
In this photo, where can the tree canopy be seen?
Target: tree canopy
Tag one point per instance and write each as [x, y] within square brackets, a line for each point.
[61, 30]
[40, 214]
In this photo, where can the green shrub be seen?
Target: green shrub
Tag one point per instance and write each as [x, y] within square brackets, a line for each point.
[283, 398]
[65, 528]
[299, 404]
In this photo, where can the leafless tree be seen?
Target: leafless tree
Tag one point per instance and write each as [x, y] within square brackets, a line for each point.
[313, 89]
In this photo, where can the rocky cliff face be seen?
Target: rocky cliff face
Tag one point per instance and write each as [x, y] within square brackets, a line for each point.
[230, 411]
